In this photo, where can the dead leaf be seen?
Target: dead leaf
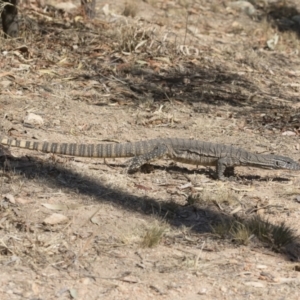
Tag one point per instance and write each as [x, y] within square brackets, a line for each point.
[55, 206]
[185, 186]
[142, 187]
[4, 74]
[254, 284]
[73, 293]
[10, 198]
[236, 210]
[261, 267]
[285, 280]
[6, 83]
[23, 201]
[288, 133]
[58, 206]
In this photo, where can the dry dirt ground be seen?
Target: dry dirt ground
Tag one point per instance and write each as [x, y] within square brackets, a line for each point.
[82, 228]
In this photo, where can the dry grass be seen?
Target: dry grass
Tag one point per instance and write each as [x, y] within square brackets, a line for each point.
[134, 39]
[241, 231]
[221, 195]
[275, 236]
[154, 234]
[139, 40]
[129, 79]
[234, 230]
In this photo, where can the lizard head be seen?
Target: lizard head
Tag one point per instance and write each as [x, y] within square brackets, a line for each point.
[282, 162]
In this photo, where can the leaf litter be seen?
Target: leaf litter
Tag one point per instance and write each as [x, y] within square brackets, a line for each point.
[130, 76]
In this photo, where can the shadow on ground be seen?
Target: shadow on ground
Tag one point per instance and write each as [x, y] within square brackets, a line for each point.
[136, 80]
[200, 220]
[166, 75]
[285, 17]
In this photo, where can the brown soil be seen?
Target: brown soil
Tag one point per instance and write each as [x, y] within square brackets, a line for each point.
[127, 78]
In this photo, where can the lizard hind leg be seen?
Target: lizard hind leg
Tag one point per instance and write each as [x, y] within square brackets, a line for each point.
[136, 162]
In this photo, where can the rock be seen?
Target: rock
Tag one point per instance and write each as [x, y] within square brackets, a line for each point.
[33, 119]
[243, 6]
[55, 219]
[5, 83]
[66, 6]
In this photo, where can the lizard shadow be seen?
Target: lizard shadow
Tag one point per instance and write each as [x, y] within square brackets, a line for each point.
[212, 174]
[209, 172]
[199, 219]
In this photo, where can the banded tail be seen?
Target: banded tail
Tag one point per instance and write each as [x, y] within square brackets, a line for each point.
[85, 150]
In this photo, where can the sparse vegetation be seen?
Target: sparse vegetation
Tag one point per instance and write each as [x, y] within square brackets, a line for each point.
[191, 69]
[240, 231]
[222, 195]
[153, 235]
[235, 230]
[275, 236]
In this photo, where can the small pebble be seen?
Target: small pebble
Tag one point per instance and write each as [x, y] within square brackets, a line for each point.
[203, 291]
